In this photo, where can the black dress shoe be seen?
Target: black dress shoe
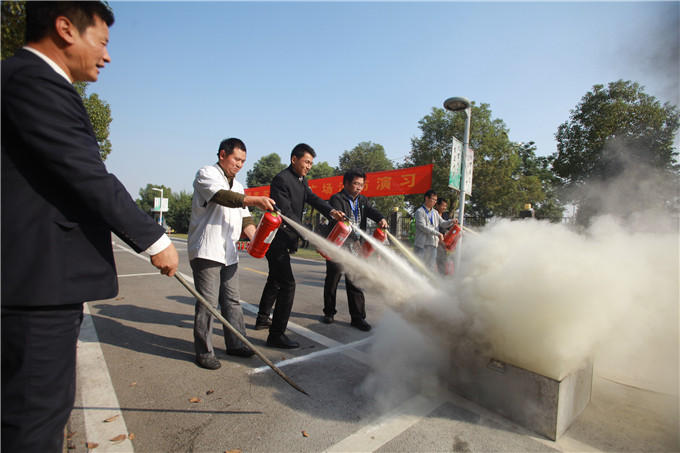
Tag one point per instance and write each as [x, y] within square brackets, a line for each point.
[281, 341]
[327, 320]
[360, 324]
[210, 362]
[261, 324]
[241, 352]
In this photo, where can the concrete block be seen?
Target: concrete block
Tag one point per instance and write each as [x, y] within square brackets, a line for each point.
[544, 405]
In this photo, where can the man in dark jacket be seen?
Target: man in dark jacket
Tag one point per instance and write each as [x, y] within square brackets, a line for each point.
[59, 207]
[359, 210]
[290, 191]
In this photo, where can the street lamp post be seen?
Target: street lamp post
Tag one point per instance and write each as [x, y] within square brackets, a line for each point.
[160, 206]
[456, 104]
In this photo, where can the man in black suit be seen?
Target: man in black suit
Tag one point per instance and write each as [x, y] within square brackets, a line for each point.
[290, 191]
[59, 207]
[350, 200]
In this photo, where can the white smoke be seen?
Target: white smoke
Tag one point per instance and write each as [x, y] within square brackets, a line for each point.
[534, 294]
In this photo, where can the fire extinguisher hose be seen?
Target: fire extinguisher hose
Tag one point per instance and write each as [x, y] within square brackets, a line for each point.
[469, 230]
[408, 255]
[238, 334]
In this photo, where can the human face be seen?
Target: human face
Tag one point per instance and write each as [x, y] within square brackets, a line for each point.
[232, 163]
[354, 187]
[441, 207]
[302, 164]
[430, 201]
[88, 53]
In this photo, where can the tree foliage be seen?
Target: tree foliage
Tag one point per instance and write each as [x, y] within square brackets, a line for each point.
[178, 216]
[13, 38]
[147, 195]
[321, 170]
[617, 141]
[13, 27]
[502, 181]
[369, 157]
[644, 129]
[264, 170]
[99, 112]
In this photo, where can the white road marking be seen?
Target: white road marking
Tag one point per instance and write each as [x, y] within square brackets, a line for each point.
[373, 436]
[98, 395]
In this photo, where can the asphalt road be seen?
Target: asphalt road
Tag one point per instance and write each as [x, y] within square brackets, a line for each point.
[138, 384]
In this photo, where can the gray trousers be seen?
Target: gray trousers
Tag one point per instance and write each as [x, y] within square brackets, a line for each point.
[428, 255]
[218, 284]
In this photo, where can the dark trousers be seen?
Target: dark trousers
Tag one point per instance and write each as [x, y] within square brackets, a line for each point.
[355, 296]
[38, 375]
[279, 290]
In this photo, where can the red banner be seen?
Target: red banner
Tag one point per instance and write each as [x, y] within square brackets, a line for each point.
[404, 181]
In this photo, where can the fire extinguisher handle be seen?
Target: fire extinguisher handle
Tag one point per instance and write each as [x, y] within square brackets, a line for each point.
[277, 209]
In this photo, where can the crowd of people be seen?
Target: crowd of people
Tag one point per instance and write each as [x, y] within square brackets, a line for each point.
[60, 206]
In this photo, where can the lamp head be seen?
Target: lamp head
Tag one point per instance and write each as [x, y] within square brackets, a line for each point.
[457, 103]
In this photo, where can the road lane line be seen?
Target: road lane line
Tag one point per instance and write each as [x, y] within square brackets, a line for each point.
[98, 395]
[385, 428]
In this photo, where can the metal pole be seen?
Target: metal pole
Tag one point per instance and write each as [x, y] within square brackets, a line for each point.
[238, 334]
[161, 217]
[461, 208]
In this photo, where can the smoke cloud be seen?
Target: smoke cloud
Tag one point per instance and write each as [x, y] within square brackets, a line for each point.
[537, 295]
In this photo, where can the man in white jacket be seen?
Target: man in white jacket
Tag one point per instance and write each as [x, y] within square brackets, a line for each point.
[428, 235]
[218, 215]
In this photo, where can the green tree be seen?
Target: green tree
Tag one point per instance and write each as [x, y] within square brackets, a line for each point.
[147, 195]
[538, 183]
[615, 154]
[179, 211]
[369, 157]
[13, 38]
[500, 186]
[99, 112]
[264, 170]
[321, 170]
[13, 27]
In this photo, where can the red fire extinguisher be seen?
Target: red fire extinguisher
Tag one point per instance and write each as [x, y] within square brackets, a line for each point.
[264, 235]
[338, 234]
[379, 235]
[452, 237]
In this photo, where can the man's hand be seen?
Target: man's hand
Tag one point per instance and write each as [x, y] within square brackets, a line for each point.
[441, 237]
[167, 261]
[383, 224]
[264, 203]
[338, 215]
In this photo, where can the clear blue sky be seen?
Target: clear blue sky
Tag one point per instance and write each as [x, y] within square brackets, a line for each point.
[185, 75]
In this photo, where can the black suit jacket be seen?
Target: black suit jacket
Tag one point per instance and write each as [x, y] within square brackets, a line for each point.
[340, 201]
[59, 204]
[291, 192]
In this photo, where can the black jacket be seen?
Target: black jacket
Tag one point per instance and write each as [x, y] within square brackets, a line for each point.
[340, 201]
[290, 192]
[59, 203]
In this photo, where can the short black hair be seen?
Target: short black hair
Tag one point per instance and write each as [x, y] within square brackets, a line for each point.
[301, 149]
[429, 194]
[229, 144]
[40, 16]
[441, 201]
[351, 174]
